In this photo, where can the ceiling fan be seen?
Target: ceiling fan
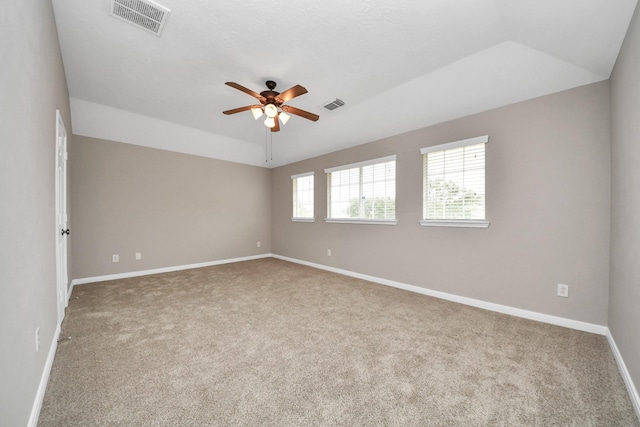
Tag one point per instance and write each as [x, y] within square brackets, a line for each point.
[271, 104]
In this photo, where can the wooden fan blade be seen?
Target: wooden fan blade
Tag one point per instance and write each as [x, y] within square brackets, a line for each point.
[291, 93]
[276, 128]
[298, 112]
[239, 110]
[247, 91]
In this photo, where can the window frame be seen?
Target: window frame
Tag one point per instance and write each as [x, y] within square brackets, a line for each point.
[378, 221]
[294, 195]
[468, 223]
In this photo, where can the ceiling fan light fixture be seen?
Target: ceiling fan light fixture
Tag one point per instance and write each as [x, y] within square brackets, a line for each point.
[271, 110]
[269, 122]
[271, 104]
[257, 112]
[284, 118]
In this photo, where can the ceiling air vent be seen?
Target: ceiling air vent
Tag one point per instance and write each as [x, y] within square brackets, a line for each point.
[142, 13]
[332, 105]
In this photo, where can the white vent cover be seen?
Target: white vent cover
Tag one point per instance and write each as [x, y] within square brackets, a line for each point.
[332, 105]
[142, 13]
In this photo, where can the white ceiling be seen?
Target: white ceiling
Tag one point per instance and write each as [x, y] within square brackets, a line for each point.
[398, 66]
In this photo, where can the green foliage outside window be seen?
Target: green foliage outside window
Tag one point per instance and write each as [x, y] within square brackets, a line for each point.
[448, 200]
[374, 208]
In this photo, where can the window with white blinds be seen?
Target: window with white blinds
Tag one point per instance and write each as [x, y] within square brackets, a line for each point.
[363, 192]
[454, 183]
[302, 196]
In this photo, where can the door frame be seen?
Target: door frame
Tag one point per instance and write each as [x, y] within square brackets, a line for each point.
[62, 276]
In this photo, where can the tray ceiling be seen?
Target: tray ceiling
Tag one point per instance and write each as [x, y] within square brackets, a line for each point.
[398, 66]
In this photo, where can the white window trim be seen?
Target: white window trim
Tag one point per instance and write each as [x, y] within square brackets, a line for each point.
[304, 219]
[327, 171]
[302, 175]
[461, 223]
[361, 164]
[361, 221]
[294, 219]
[455, 144]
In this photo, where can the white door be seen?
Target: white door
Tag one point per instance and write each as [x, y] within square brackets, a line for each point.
[62, 231]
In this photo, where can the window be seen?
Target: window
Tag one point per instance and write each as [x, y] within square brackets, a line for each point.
[454, 184]
[363, 192]
[303, 197]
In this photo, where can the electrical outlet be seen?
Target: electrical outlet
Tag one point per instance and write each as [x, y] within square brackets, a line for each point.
[563, 290]
[258, 244]
[328, 252]
[37, 340]
[138, 256]
[115, 258]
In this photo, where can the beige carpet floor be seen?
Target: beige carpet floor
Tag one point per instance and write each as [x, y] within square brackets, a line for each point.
[268, 342]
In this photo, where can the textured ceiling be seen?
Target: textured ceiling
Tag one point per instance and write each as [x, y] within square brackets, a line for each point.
[398, 66]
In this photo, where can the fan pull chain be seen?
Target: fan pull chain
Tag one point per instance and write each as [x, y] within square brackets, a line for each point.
[266, 146]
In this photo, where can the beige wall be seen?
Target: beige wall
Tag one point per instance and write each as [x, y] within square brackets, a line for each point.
[176, 209]
[548, 178]
[32, 87]
[548, 202]
[624, 293]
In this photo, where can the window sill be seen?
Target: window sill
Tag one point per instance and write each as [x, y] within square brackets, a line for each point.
[361, 221]
[454, 223]
[303, 219]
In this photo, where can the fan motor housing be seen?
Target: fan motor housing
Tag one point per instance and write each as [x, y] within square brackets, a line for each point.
[270, 94]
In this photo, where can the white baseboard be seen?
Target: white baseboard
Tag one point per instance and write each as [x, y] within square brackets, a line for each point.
[86, 280]
[532, 315]
[44, 379]
[526, 314]
[626, 377]
[69, 291]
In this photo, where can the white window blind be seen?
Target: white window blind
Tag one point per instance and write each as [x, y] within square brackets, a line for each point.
[302, 196]
[364, 191]
[454, 181]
